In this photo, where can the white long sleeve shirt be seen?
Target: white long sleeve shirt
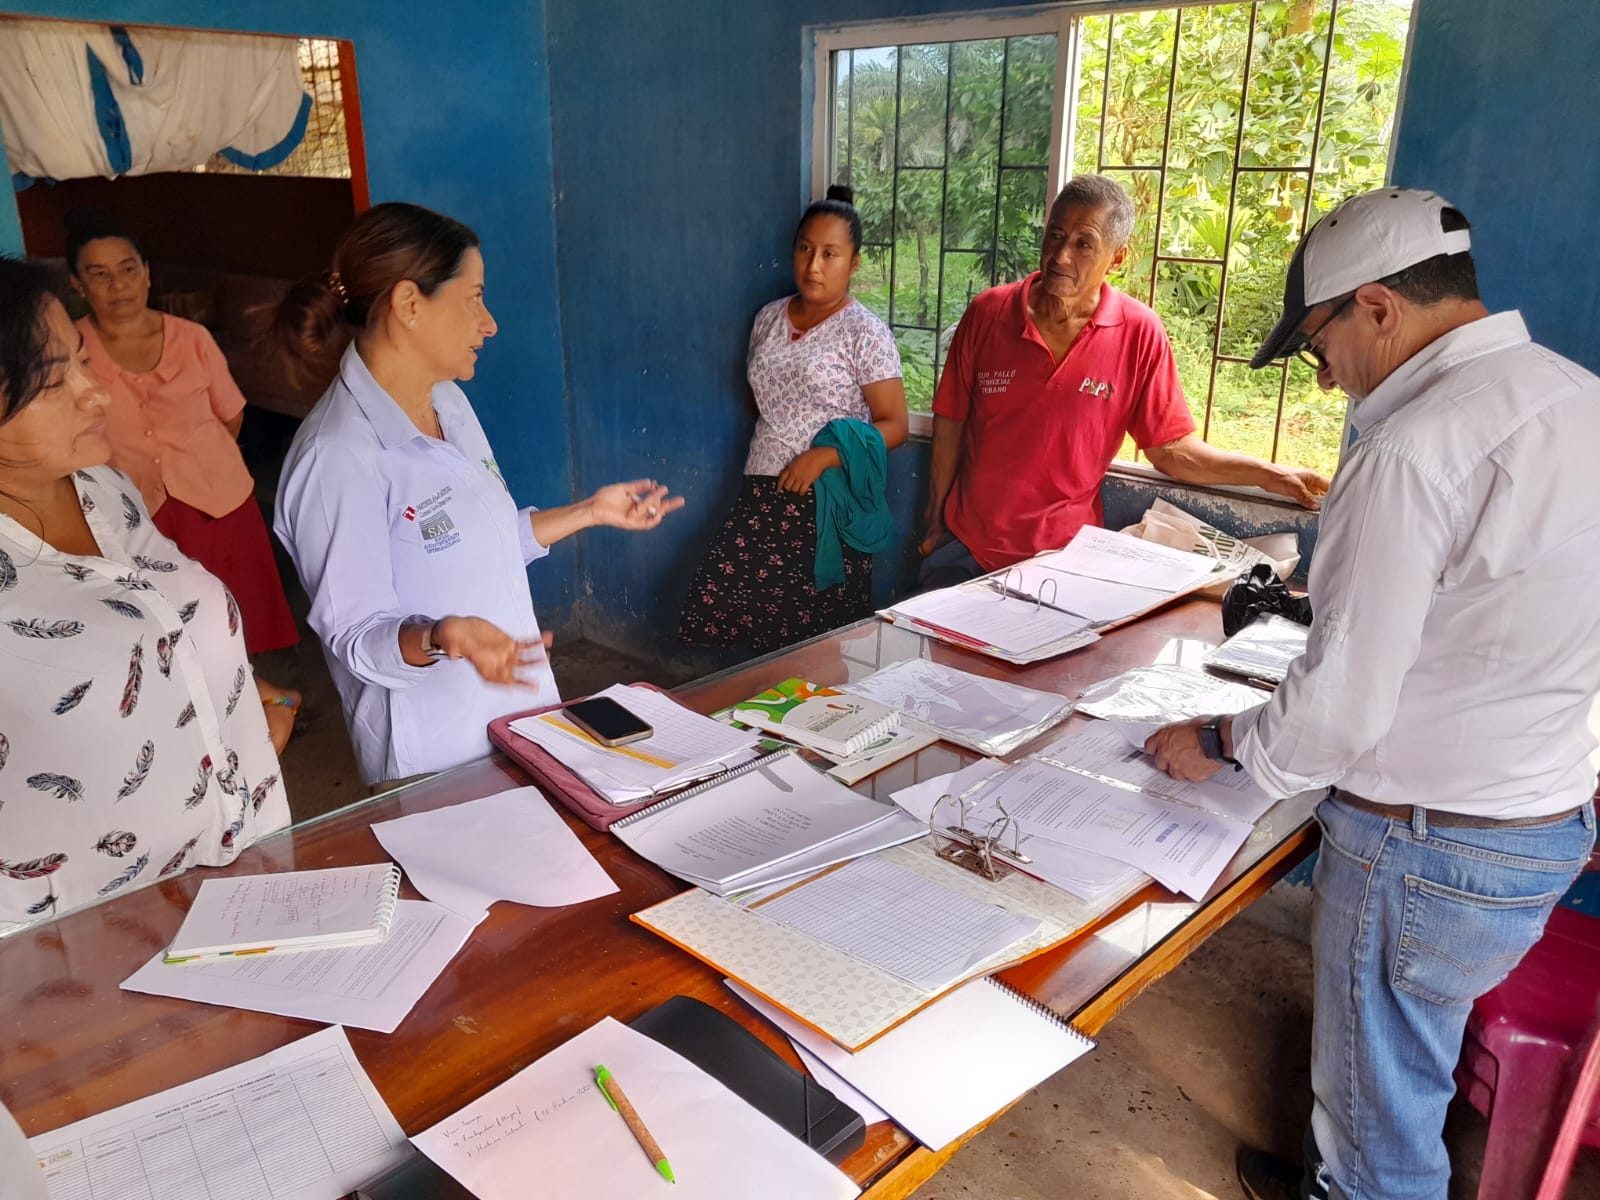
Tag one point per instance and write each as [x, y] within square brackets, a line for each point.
[1455, 652]
[385, 523]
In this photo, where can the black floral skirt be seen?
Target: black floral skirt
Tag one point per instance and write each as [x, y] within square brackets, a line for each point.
[755, 588]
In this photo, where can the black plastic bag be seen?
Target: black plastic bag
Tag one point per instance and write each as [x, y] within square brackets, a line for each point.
[1259, 591]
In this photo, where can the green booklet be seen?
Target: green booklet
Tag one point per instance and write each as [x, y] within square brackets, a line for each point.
[820, 718]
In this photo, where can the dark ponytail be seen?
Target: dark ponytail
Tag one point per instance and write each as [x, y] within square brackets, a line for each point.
[389, 243]
[840, 202]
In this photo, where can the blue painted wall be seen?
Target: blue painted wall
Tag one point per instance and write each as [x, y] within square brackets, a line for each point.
[1499, 117]
[455, 102]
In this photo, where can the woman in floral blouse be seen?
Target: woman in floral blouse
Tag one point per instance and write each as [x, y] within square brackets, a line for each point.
[126, 754]
[815, 357]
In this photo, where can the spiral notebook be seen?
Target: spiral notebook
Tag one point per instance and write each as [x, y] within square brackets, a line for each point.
[294, 910]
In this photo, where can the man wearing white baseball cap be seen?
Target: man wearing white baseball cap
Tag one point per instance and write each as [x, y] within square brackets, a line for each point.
[1444, 694]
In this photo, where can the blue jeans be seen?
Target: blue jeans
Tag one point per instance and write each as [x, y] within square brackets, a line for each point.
[1413, 923]
[949, 564]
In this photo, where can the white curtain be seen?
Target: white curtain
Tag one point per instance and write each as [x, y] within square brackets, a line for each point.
[178, 98]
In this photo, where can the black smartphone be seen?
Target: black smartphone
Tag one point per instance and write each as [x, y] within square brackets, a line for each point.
[606, 721]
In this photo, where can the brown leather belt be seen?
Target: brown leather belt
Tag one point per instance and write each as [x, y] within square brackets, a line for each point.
[1445, 820]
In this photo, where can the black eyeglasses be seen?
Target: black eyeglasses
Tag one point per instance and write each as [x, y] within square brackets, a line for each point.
[1309, 354]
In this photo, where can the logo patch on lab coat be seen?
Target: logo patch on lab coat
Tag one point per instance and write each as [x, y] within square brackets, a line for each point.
[433, 519]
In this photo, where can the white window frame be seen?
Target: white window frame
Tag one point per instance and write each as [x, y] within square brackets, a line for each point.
[1059, 20]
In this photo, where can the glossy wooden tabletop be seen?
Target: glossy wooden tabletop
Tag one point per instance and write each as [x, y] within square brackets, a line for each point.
[73, 1044]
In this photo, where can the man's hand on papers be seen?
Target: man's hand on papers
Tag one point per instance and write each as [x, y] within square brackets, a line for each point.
[1305, 487]
[1176, 749]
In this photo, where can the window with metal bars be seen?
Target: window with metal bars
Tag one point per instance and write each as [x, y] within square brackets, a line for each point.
[324, 153]
[1232, 126]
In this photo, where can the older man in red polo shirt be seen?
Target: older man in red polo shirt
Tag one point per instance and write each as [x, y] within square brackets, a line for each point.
[1044, 379]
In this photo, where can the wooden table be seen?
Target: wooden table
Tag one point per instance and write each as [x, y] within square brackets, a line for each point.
[73, 1044]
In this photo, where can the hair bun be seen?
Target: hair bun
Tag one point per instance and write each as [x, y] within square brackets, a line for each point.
[842, 193]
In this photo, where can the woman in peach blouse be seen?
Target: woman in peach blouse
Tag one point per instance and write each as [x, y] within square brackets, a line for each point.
[173, 422]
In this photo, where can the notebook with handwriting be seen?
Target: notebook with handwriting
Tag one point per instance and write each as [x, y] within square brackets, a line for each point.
[295, 910]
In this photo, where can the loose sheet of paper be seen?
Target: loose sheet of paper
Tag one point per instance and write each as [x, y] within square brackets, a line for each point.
[1184, 848]
[366, 987]
[1008, 623]
[300, 1123]
[509, 846]
[987, 715]
[898, 921]
[954, 1064]
[1083, 873]
[1263, 649]
[548, 1131]
[1097, 553]
[1100, 748]
[683, 746]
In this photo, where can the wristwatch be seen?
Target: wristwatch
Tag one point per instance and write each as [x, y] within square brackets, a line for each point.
[431, 648]
[1211, 743]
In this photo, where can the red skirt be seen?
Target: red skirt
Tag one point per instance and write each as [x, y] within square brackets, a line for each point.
[237, 549]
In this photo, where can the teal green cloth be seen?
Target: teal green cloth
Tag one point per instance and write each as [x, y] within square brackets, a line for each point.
[852, 498]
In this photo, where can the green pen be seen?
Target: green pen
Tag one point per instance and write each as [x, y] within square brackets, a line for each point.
[617, 1098]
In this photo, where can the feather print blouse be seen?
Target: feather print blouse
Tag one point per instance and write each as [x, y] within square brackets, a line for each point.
[132, 744]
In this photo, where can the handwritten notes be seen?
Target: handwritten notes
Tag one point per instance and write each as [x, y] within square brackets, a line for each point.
[548, 1131]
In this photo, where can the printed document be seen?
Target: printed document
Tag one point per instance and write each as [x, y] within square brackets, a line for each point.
[300, 1123]
[366, 987]
[548, 1131]
[898, 921]
[1184, 848]
[1099, 748]
[988, 715]
[1103, 576]
[1008, 623]
[509, 846]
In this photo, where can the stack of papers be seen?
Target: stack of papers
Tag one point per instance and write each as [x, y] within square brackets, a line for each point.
[1146, 698]
[1263, 649]
[683, 748]
[549, 1131]
[1104, 577]
[953, 1065]
[976, 617]
[987, 715]
[770, 820]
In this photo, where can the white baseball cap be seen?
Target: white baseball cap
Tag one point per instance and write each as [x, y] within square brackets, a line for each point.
[1367, 238]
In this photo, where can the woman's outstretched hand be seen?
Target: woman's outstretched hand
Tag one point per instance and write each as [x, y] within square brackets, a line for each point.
[493, 653]
[639, 504]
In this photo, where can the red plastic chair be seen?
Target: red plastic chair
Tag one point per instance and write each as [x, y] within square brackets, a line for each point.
[1531, 1047]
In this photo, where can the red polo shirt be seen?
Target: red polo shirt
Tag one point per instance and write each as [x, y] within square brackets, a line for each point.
[1037, 435]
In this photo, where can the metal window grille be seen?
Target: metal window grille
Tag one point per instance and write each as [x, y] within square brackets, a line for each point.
[325, 151]
[1127, 85]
